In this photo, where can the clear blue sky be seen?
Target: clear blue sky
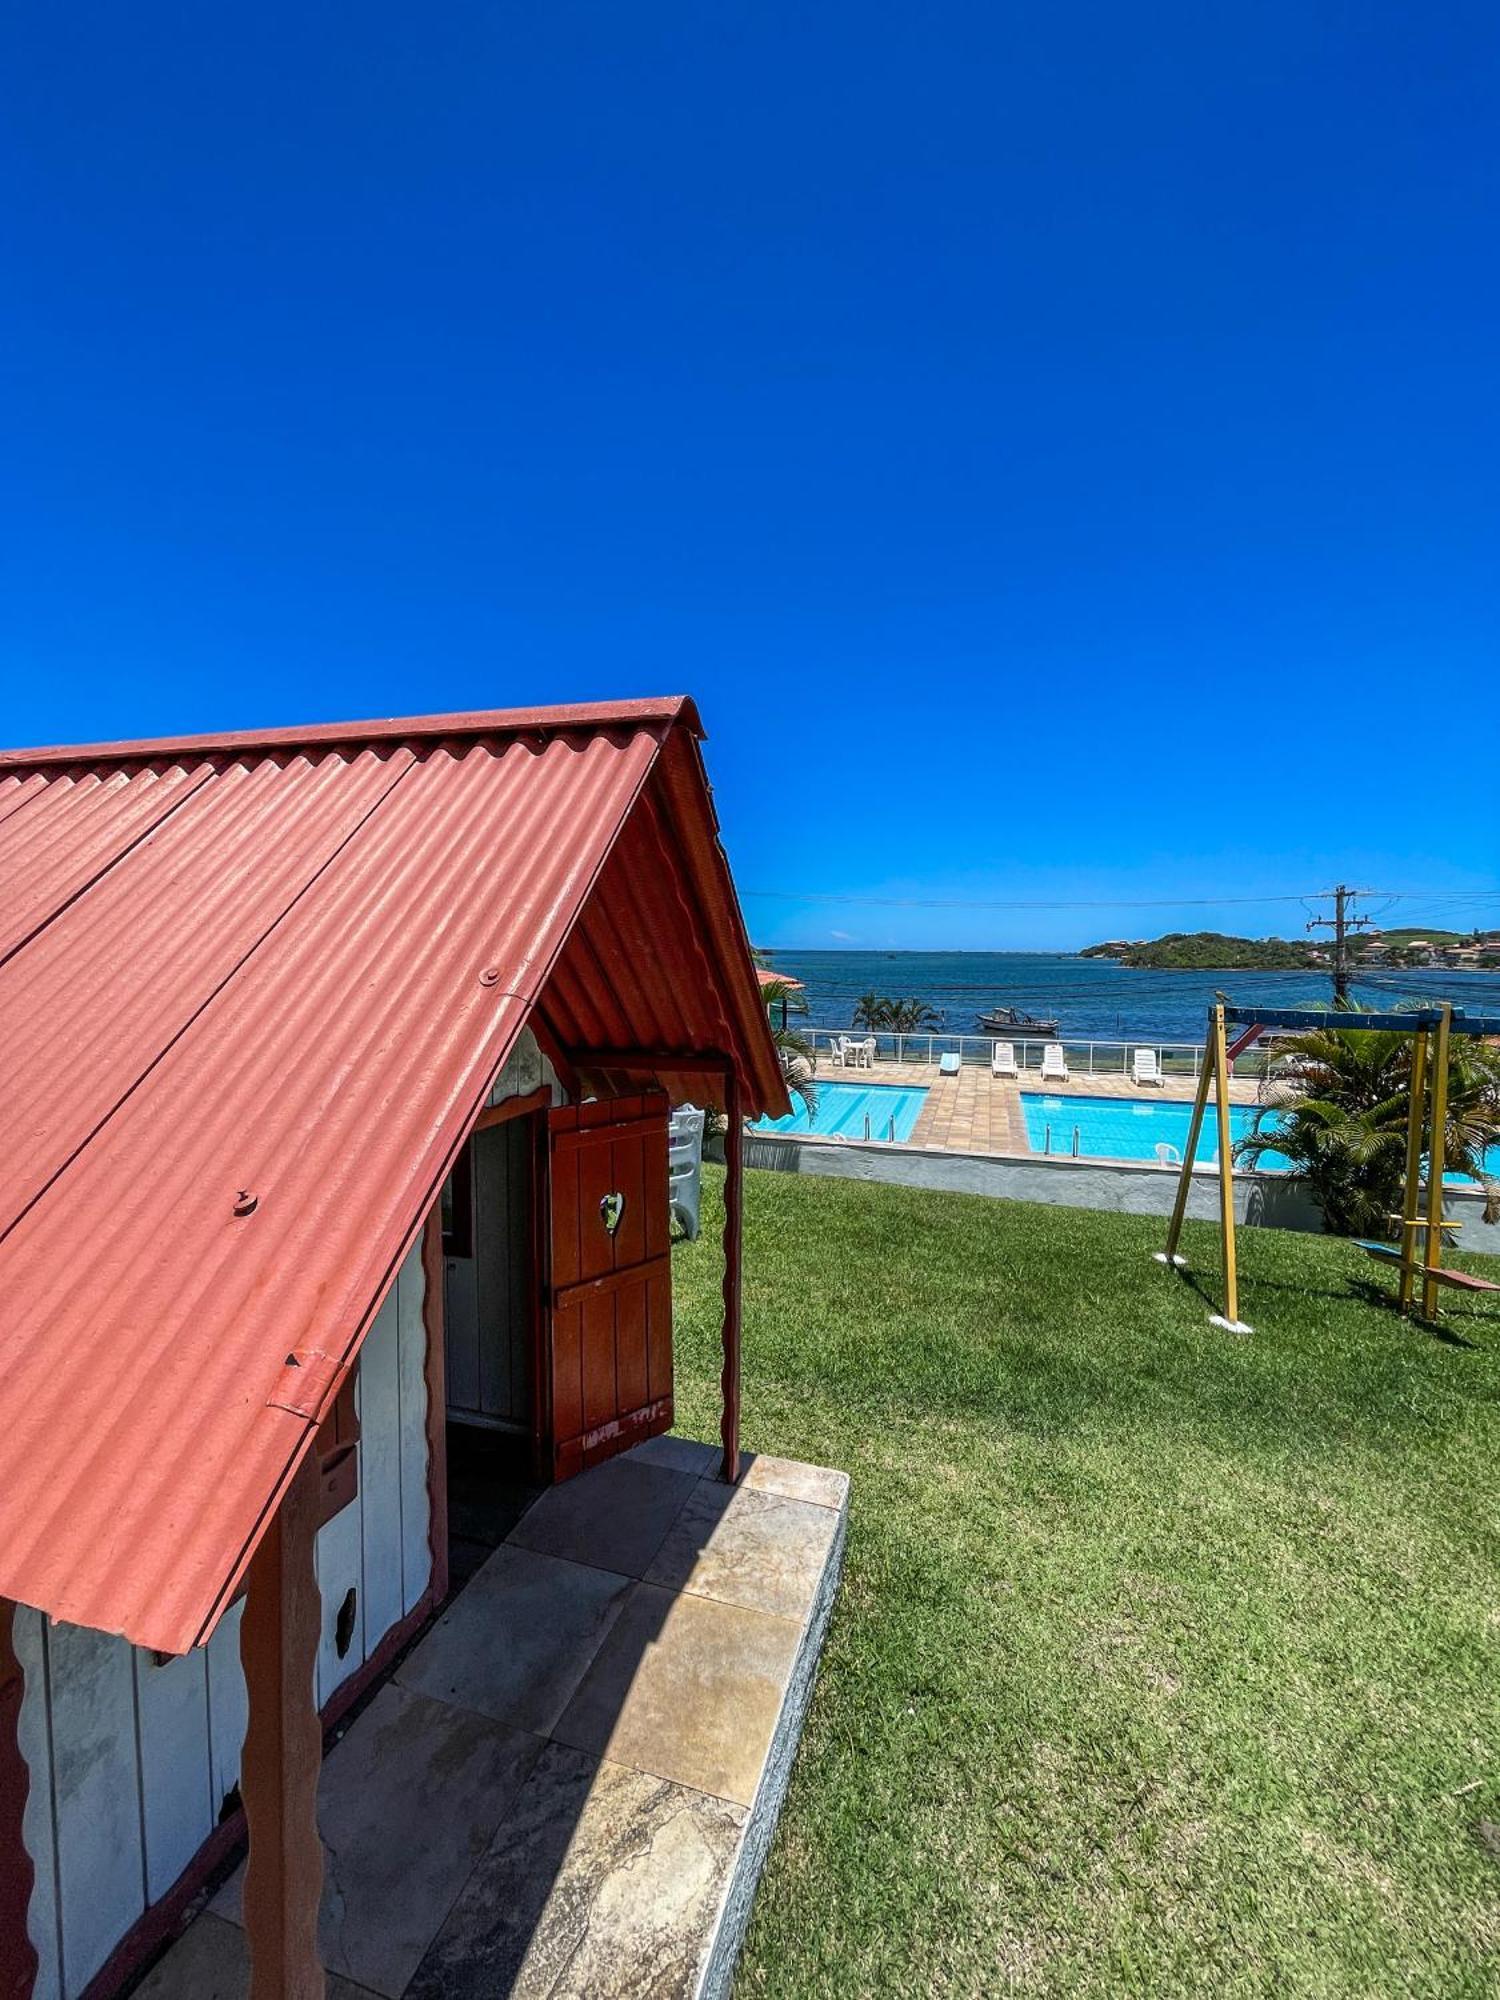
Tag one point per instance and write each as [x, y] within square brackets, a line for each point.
[1057, 445]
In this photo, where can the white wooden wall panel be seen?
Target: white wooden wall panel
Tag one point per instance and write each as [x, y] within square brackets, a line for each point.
[416, 1555]
[96, 1784]
[228, 1708]
[378, 1544]
[177, 1807]
[30, 1640]
[526, 1069]
[131, 1762]
[340, 1566]
[380, 1472]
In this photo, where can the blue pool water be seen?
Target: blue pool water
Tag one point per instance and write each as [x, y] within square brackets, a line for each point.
[1130, 1128]
[842, 1109]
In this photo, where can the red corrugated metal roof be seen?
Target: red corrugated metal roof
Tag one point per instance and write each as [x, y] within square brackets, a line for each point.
[662, 709]
[290, 965]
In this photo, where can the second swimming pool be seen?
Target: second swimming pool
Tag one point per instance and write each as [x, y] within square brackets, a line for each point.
[1131, 1128]
[853, 1111]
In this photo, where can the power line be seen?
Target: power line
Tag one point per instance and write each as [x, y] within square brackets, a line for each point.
[1488, 899]
[1341, 923]
[1084, 990]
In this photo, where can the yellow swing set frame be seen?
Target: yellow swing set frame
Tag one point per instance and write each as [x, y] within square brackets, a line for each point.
[1422, 1224]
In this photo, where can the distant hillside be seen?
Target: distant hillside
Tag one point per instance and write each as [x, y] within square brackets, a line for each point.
[1399, 940]
[1211, 951]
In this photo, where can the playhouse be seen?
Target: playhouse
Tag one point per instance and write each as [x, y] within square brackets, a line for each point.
[338, 1065]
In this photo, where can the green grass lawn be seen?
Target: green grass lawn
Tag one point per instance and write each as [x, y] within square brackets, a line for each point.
[1166, 1661]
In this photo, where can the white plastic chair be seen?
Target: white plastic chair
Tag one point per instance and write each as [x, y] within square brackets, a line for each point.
[1054, 1064]
[685, 1166]
[864, 1052]
[1145, 1068]
[838, 1054]
[1003, 1059]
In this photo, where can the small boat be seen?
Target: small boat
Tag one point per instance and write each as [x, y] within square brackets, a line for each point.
[1011, 1021]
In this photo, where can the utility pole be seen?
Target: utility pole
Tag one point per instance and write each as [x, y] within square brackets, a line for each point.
[1340, 923]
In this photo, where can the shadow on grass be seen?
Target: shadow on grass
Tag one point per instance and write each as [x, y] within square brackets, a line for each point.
[1364, 1292]
[1443, 1331]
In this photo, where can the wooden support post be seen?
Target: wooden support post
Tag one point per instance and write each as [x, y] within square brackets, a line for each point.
[734, 1207]
[284, 1751]
[1226, 1172]
[18, 1959]
[1411, 1195]
[1195, 1126]
[1436, 1147]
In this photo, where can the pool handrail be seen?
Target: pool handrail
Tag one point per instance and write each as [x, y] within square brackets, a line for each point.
[1097, 1057]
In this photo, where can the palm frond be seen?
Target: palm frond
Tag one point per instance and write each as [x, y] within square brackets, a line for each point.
[1342, 1097]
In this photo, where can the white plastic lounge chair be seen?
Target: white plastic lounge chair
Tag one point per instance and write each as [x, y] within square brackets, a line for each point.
[685, 1166]
[1003, 1059]
[948, 1065]
[1145, 1068]
[1054, 1065]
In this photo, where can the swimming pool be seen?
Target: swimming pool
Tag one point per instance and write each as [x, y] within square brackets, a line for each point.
[1131, 1128]
[852, 1111]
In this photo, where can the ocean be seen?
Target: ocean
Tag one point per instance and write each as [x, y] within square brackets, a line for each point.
[1094, 999]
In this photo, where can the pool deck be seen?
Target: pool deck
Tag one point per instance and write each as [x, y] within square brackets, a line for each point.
[975, 1112]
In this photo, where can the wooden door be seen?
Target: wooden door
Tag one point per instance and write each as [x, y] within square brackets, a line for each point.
[608, 1348]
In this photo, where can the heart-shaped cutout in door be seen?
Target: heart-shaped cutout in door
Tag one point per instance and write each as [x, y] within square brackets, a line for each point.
[611, 1208]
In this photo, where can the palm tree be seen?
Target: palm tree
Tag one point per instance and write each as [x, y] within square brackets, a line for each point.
[795, 1050]
[897, 1017]
[910, 1017]
[1341, 1098]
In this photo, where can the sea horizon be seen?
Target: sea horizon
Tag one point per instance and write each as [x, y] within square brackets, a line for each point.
[1093, 999]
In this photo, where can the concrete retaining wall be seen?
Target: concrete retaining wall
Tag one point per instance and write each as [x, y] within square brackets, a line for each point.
[1129, 1187]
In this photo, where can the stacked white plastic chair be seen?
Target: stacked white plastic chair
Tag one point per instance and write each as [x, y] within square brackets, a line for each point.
[685, 1164]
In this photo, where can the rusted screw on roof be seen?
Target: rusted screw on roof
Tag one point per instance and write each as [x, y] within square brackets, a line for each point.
[245, 1202]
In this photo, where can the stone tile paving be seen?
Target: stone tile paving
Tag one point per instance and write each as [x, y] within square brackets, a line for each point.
[686, 1688]
[210, 1963]
[569, 1786]
[604, 1881]
[975, 1112]
[408, 1802]
[554, 1615]
[746, 1547]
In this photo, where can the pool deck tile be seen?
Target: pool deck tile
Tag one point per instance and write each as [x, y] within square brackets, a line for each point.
[975, 1112]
